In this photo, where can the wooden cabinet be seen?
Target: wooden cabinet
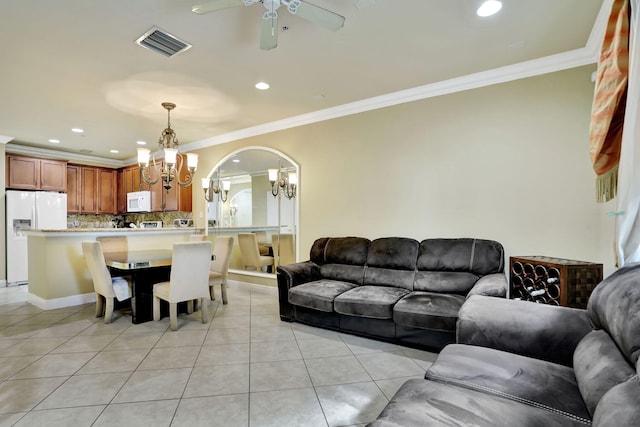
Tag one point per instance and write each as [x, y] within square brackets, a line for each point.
[176, 199]
[129, 181]
[74, 186]
[556, 281]
[91, 190]
[27, 173]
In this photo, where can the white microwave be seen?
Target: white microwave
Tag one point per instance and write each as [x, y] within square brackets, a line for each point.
[139, 201]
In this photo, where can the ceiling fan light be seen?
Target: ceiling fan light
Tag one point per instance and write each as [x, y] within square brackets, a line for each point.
[489, 7]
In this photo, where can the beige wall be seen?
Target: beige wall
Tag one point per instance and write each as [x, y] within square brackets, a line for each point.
[3, 255]
[508, 162]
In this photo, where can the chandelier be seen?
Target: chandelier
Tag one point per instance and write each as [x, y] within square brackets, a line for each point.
[173, 161]
[221, 187]
[288, 182]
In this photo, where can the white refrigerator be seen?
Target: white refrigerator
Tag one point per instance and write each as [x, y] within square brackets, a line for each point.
[36, 210]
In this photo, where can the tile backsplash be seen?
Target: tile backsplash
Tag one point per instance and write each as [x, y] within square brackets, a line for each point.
[120, 221]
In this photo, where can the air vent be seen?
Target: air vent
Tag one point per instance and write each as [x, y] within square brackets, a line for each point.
[162, 42]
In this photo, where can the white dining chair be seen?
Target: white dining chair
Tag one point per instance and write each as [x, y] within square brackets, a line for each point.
[107, 288]
[219, 267]
[283, 248]
[188, 280]
[263, 242]
[250, 253]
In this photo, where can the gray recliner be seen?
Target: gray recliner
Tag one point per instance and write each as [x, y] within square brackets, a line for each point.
[523, 364]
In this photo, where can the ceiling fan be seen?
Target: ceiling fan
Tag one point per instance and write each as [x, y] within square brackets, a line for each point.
[269, 32]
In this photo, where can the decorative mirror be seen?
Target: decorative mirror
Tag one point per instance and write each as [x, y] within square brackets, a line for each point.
[252, 194]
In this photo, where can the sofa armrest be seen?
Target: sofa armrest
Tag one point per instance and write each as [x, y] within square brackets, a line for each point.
[492, 285]
[291, 275]
[535, 330]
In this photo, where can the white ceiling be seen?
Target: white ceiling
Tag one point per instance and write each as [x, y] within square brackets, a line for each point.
[74, 63]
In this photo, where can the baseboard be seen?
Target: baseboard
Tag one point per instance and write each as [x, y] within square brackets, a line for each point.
[70, 301]
[249, 285]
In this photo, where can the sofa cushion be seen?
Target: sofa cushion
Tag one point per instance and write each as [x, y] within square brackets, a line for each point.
[428, 310]
[369, 301]
[613, 306]
[420, 403]
[620, 406]
[599, 366]
[392, 262]
[347, 250]
[318, 295]
[475, 256]
[343, 272]
[529, 381]
[458, 282]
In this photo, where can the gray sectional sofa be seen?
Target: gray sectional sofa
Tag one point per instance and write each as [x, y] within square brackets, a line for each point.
[523, 364]
[395, 289]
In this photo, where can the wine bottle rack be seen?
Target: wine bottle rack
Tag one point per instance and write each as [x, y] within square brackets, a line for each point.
[555, 281]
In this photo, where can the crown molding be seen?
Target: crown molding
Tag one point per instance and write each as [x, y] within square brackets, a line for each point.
[5, 139]
[65, 155]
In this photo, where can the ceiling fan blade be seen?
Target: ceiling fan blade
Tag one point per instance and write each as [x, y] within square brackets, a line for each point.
[323, 17]
[269, 31]
[213, 5]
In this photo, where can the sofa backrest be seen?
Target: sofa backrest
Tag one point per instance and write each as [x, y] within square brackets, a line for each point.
[614, 305]
[455, 265]
[341, 258]
[391, 261]
[608, 356]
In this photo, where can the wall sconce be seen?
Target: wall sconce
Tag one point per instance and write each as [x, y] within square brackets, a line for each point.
[210, 189]
[287, 181]
[171, 169]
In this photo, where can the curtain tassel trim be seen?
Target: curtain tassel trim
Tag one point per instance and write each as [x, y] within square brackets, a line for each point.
[607, 185]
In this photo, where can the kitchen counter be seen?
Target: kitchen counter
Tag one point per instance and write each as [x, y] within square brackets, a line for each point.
[58, 275]
[117, 231]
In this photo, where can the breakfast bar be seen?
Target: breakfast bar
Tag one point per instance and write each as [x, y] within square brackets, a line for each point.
[58, 276]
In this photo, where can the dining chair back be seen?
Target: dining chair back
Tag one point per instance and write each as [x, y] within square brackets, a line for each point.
[188, 280]
[263, 242]
[219, 267]
[250, 254]
[113, 244]
[283, 248]
[103, 283]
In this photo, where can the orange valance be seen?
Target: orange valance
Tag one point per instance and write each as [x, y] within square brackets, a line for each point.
[609, 101]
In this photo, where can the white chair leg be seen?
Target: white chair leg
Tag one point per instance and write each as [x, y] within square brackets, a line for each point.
[223, 290]
[190, 306]
[99, 305]
[211, 293]
[204, 310]
[108, 312]
[156, 308]
[173, 316]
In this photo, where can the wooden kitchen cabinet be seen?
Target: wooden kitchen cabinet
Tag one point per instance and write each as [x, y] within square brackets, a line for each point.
[176, 199]
[91, 190]
[73, 188]
[28, 173]
[129, 181]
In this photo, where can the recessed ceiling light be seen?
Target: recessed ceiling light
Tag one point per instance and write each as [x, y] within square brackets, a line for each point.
[77, 130]
[489, 7]
[114, 151]
[235, 161]
[54, 141]
[262, 85]
[141, 143]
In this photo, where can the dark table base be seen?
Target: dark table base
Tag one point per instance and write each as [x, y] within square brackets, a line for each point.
[143, 280]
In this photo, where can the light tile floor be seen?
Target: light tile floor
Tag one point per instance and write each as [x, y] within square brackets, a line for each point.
[245, 368]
